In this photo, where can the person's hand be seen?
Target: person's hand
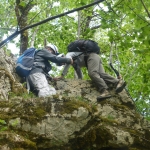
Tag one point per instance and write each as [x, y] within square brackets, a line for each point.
[119, 77]
[58, 78]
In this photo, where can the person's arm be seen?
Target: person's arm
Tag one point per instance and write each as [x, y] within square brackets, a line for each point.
[45, 54]
[65, 70]
[77, 69]
[67, 66]
[76, 66]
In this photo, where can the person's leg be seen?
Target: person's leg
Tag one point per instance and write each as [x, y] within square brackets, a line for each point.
[40, 83]
[106, 77]
[93, 63]
[117, 83]
[97, 74]
[77, 69]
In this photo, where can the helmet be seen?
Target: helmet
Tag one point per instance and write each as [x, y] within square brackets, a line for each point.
[53, 47]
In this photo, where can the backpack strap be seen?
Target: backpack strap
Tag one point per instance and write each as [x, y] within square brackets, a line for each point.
[75, 57]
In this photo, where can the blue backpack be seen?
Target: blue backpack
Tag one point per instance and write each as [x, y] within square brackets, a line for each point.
[25, 62]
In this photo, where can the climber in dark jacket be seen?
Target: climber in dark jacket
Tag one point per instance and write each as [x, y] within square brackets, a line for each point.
[38, 78]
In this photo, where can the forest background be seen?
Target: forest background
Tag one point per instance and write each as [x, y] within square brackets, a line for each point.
[121, 28]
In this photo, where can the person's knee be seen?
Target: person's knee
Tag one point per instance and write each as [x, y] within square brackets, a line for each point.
[92, 74]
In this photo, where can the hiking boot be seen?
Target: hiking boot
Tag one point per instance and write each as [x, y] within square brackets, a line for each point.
[120, 86]
[103, 96]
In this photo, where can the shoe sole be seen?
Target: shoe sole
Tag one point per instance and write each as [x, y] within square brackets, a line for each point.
[103, 98]
[121, 88]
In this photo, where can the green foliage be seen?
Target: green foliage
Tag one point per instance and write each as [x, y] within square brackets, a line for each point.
[2, 122]
[4, 128]
[28, 95]
[23, 4]
[25, 95]
[3, 125]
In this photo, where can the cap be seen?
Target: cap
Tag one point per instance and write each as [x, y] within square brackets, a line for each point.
[53, 47]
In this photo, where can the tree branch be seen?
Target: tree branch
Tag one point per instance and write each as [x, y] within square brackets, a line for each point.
[8, 29]
[95, 27]
[145, 8]
[46, 20]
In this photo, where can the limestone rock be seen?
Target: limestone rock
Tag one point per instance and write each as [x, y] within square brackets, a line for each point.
[70, 120]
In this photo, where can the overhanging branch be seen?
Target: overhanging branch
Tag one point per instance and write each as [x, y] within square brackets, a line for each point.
[46, 20]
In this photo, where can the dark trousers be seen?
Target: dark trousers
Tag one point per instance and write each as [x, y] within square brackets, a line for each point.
[97, 74]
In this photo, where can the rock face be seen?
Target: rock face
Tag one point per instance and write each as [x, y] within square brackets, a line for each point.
[69, 120]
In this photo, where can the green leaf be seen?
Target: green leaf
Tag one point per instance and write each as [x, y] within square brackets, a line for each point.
[23, 4]
[2, 122]
[33, 3]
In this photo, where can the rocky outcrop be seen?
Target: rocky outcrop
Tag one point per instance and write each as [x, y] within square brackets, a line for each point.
[9, 81]
[70, 120]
